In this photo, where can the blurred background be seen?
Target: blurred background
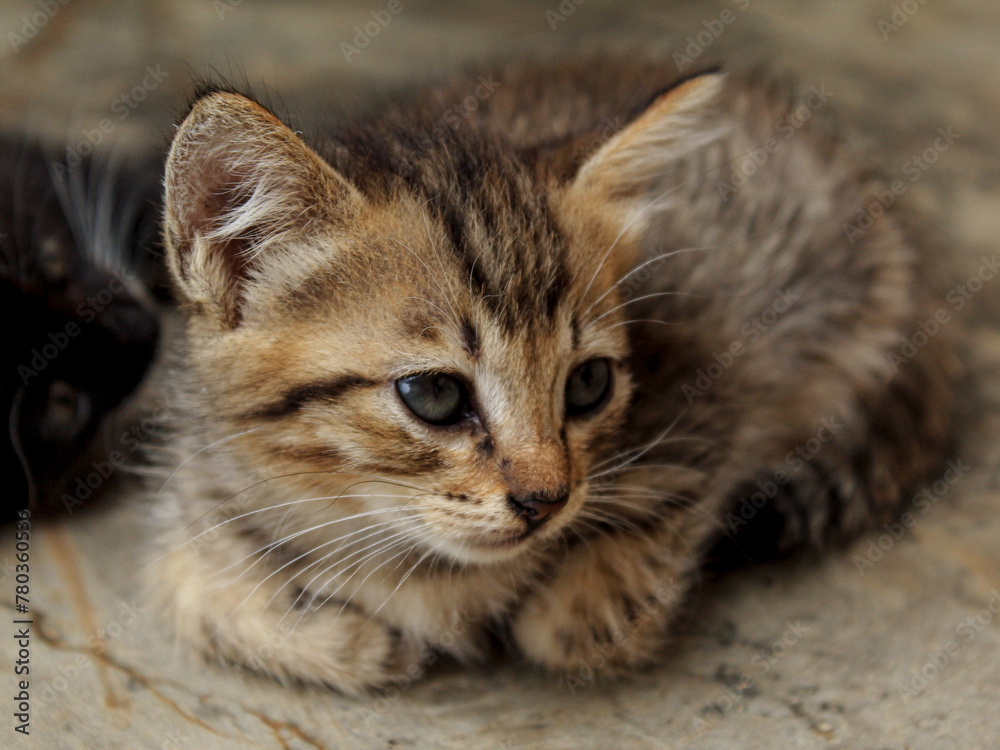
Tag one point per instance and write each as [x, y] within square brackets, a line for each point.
[84, 76]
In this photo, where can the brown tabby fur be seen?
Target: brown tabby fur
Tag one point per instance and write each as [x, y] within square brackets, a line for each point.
[327, 535]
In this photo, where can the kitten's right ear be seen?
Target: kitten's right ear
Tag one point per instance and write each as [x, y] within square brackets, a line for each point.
[239, 183]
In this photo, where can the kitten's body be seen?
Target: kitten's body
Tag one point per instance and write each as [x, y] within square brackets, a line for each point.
[506, 247]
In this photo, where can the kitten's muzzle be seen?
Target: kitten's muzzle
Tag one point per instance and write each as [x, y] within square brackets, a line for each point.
[537, 507]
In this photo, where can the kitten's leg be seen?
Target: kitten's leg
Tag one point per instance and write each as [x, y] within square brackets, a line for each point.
[609, 605]
[224, 617]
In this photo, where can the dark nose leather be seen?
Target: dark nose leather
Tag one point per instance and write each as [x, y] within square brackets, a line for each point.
[537, 507]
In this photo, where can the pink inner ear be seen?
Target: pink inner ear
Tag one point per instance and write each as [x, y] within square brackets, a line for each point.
[200, 217]
[207, 184]
[244, 183]
[205, 188]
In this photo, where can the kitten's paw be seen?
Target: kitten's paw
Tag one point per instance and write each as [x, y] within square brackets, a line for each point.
[341, 648]
[257, 628]
[598, 615]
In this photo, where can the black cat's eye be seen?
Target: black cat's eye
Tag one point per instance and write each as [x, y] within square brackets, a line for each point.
[67, 410]
[588, 387]
[435, 397]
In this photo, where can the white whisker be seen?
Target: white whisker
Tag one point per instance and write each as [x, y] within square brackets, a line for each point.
[627, 226]
[203, 449]
[662, 256]
[401, 582]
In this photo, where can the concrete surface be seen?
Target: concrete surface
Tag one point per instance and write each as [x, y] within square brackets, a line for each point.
[806, 654]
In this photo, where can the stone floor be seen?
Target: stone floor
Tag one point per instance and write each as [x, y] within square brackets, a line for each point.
[901, 653]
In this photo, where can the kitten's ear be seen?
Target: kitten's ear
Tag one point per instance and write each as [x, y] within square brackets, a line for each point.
[629, 169]
[239, 183]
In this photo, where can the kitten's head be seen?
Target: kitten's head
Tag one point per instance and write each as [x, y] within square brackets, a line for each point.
[407, 322]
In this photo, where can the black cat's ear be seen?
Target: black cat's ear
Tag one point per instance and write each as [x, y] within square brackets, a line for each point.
[240, 187]
[632, 167]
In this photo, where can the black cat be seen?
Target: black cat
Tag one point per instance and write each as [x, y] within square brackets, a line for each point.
[77, 262]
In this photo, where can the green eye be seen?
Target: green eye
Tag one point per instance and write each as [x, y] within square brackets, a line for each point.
[588, 387]
[436, 398]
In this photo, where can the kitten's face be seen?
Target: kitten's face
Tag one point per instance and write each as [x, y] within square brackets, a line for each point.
[385, 361]
[465, 362]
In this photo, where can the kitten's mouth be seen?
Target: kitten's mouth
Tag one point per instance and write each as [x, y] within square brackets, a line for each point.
[496, 546]
[492, 549]
[509, 542]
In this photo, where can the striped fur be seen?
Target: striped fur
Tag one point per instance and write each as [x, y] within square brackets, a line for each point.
[576, 213]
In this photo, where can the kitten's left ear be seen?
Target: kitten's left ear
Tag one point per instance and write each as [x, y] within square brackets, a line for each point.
[629, 169]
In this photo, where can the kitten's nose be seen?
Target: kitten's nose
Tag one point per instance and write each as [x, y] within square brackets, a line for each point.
[537, 507]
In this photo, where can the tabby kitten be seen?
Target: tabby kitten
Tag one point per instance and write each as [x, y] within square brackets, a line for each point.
[517, 370]
[76, 258]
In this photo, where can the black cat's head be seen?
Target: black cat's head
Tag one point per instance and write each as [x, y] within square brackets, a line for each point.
[81, 326]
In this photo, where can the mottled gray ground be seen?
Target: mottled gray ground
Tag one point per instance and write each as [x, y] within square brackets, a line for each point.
[798, 655]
